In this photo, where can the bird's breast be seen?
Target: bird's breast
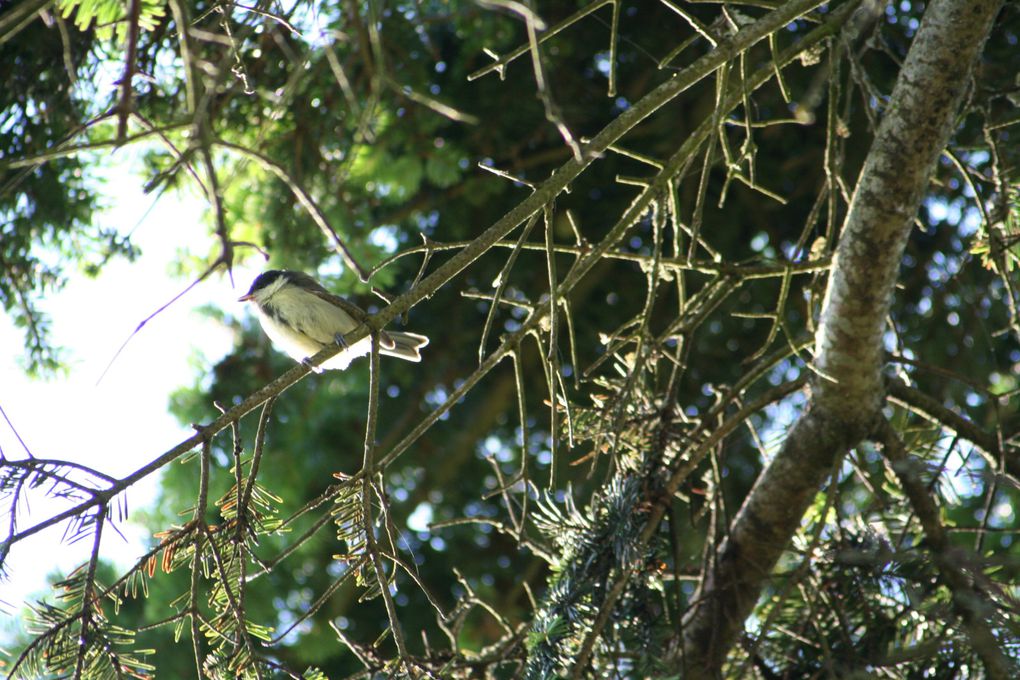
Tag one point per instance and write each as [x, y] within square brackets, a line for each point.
[285, 336]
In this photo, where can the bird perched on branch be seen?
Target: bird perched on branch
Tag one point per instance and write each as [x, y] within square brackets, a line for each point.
[302, 318]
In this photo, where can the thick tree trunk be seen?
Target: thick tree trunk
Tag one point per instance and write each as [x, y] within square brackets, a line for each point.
[846, 399]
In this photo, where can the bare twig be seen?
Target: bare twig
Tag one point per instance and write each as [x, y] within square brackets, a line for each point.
[368, 472]
[3, 456]
[306, 200]
[201, 277]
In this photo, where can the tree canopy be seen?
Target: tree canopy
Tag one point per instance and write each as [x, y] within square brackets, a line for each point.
[723, 317]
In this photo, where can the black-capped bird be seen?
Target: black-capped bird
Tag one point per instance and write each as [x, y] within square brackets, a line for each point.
[302, 318]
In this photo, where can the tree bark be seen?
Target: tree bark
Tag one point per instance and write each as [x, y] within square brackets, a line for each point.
[847, 391]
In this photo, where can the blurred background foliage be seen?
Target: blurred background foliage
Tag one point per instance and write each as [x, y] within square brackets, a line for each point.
[367, 106]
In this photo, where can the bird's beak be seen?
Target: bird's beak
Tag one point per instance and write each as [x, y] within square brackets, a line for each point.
[246, 298]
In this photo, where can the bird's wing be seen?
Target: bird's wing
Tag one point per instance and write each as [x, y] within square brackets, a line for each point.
[355, 312]
[352, 309]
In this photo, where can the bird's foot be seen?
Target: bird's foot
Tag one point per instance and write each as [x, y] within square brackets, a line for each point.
[312, 367]
[339, 338]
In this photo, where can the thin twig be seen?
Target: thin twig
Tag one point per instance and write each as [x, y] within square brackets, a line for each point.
[306, 200]
[368, 471]
[124, 108]
[201, 277]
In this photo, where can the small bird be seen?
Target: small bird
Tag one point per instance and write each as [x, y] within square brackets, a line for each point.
[302, 318]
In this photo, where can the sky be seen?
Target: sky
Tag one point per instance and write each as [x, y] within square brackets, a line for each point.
[121, 423]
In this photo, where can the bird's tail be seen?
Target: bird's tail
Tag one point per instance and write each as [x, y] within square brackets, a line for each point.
[405, 345]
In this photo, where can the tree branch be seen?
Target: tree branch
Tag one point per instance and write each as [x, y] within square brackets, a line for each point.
[848, 345]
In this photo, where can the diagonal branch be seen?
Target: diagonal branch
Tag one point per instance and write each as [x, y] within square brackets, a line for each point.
[306, 200]
[15, 18]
